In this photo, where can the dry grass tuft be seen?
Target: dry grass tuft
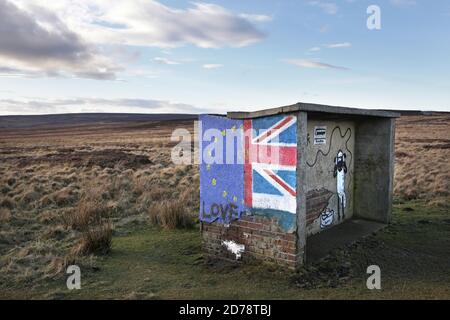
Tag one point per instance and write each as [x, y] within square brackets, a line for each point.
[96, 240]
[141, 185]
[170, 215]
[7, 203]
[46, 201]
[190, 198]
[440, 203]
[29, 198]
[11, 181]
[5, 214]
[64, 196]
[5, 189]
[58, 265]
[157, 193]
[87, 212]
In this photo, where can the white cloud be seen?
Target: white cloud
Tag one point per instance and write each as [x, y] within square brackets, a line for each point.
[314, 49]
[41, 44]
[339, 45]
[150, 23]
[81, 105]
[311, 64]
[68, 38]
[327, 7]
[403, 3]
[256, 17]
[212, 66]
[331, 46]
[165, 61]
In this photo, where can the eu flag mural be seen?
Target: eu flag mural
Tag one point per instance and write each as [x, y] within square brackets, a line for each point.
[221, 169]
[248, 166]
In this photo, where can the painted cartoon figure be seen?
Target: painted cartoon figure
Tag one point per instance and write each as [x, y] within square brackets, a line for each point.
[326, 218]
[340, 169]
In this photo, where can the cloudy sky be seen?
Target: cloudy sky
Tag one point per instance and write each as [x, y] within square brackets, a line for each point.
[186, 56]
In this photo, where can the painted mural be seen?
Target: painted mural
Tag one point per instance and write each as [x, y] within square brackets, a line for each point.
[326, 218]
[340, 169]
[330, 167]
[221, 188]
[263, 183]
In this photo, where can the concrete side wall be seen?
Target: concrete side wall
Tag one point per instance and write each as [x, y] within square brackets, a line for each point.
[330, 159]
[374, 169]
[302, 131]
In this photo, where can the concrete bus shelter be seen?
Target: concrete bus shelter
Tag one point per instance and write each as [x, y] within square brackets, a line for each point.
[331, 184]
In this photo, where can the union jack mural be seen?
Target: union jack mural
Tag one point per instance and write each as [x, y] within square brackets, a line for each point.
[270, 163]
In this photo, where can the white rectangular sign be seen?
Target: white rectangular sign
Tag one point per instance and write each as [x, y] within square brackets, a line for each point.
[320, 135]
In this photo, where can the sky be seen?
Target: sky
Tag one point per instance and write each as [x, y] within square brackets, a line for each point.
[145, 56]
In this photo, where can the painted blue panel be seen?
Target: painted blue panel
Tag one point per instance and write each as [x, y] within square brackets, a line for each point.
[262, 124]
[288, 176]
[261, 185]
[289, 136]
[221, 185]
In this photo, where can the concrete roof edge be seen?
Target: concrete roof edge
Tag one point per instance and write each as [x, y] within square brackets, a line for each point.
[311, 107]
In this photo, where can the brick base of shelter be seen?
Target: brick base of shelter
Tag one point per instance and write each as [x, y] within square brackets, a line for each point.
[262, 237]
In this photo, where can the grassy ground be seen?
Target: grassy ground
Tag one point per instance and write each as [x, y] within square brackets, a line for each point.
[422, 150]
[58, 183]
[149, 263]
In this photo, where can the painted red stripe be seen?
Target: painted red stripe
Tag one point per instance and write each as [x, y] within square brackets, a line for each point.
[272, 130]
[281, 182]
[248, 171]
[286, 156]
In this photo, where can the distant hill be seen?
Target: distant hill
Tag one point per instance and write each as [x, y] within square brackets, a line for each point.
[31, 121]
[76, 119]
[419, 112]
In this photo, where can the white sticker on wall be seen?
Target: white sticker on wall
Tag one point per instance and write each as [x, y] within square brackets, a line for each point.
[320, 135]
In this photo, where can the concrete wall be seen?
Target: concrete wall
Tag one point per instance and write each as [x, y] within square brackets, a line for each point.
[302, 131]
[374, 168]
[329, 187]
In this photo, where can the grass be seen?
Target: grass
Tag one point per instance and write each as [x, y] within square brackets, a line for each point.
[5, 214]
[422, 151]
[89, 210]
[61, 188]
[148, 262]
[170, 214]
[96, 240]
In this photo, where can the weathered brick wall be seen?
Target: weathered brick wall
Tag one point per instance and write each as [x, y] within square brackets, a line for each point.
[262, 237]
[316, 202]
